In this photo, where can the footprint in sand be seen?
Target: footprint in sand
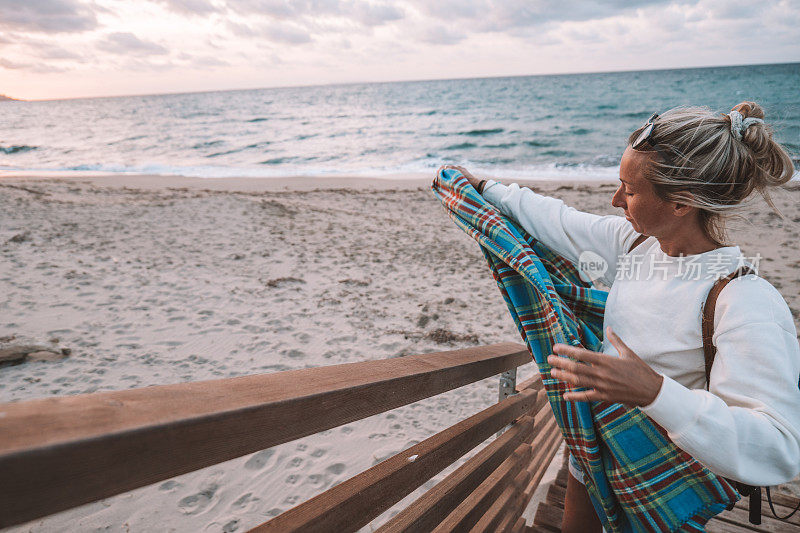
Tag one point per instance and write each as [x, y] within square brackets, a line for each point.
[169, 485]
[243, 500]
[390, 346]
[170, 344]
[231, 526]
[295, 354]
[302, 336]
[343, 339]
[259, 460]
[197, 503]
[291, 500]
[336, 468]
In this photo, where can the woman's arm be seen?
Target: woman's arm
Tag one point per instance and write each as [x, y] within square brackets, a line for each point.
[747, 427]
[567, 231]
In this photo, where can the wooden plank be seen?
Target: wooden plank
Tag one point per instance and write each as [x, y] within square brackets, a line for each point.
[432, 507]
[556, 495]
[548, 447]
[539, 466]
[542, 529]
[514, 513]
[355, 502]
[58, 453]
[473, 507]
[496, 518]
[508, 514]
[782, 503]
[779, 498]
[768, 523]
[792, 522]
[544, 449]
[563, 473]
[719, 526]
[533, 383]
[549, 516]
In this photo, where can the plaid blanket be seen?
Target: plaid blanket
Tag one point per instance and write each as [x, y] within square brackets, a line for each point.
[637, 479]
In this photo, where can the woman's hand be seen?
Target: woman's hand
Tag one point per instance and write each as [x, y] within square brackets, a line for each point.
[625, 379]
[472, 179]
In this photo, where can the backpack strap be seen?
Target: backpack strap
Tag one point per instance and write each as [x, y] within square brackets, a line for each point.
[709, 350]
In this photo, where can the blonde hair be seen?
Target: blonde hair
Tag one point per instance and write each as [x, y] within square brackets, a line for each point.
[704, 165]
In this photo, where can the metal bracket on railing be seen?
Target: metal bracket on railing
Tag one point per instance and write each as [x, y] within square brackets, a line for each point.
[508, 384]
[508, 387]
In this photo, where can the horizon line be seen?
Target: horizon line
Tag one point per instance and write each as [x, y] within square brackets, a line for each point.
[335, 84]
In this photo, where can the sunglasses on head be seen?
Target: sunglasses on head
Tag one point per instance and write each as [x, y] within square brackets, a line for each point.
[646, 138]
[646, 134]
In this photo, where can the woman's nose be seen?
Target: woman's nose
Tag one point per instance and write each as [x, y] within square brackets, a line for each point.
[617, 200]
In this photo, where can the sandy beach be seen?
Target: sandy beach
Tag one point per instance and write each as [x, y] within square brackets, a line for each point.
[151, 280]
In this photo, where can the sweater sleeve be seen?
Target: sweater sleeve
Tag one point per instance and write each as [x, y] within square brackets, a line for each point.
[747, 427]
[567, 231]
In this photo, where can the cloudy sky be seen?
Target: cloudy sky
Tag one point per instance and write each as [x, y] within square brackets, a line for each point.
[74, 48]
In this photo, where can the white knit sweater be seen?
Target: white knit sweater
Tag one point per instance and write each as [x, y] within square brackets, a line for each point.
[747, 427]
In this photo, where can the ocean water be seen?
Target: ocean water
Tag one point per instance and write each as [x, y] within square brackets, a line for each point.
[534, 126]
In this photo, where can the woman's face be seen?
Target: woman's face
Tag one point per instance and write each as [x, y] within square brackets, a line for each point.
[649, 214]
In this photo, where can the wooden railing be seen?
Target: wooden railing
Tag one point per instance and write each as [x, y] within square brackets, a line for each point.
[58, 453]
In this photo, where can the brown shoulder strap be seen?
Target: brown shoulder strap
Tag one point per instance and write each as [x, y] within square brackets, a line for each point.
[639, 240]
[709, 350]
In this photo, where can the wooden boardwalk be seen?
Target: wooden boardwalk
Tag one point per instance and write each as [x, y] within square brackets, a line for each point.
[62, 452]
[58, 453]
[551, 511]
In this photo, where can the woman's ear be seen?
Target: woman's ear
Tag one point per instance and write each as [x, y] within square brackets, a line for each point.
[680, 210]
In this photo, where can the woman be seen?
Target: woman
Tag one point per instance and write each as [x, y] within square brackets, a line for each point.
[681, 173]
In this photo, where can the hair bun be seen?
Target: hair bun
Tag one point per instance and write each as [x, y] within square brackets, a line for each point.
[749, 110]
[771, 165]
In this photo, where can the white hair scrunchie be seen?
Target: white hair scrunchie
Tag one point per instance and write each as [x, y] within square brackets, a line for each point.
[739, 124]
